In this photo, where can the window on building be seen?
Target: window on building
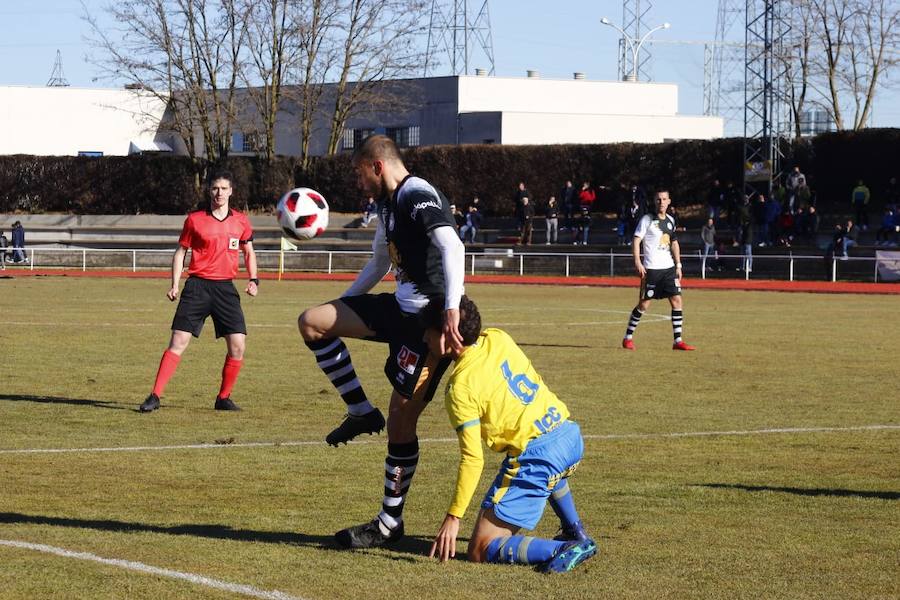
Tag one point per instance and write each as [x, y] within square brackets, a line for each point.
[404, 137]
[352, 138]
[253, 142]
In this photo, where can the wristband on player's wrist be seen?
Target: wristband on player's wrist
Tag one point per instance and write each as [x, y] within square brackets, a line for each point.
[255, 280]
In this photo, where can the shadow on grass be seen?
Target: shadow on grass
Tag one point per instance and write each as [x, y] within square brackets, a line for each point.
[409, 544]
[59, 400]
[804, 491]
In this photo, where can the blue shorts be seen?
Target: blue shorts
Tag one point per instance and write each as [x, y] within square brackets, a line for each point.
[520, 491]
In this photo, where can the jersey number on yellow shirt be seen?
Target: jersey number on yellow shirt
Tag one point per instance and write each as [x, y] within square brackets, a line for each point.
[522, 388]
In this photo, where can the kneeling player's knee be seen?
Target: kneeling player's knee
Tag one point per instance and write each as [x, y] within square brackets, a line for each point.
[478, 551]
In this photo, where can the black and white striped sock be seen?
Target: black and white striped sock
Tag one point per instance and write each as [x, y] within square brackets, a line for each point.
[399, 468]
[333, 358]
[677, 321]
[633, 321]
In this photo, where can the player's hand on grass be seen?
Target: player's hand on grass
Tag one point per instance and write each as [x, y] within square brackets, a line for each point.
[452, 339]
[444, 546]
[172, 294]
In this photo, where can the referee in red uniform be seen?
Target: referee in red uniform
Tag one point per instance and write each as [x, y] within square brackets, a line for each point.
[215, 235]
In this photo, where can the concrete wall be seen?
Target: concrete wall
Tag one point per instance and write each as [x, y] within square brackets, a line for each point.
[63, 121]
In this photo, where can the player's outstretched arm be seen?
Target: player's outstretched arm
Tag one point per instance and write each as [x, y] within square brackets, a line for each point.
[177, 268]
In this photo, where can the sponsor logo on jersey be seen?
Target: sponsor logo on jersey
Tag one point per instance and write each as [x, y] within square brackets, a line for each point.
[435, 203]
[407, 360]
[233, 243]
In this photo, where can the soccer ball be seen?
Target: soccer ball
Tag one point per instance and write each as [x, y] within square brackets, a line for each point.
[302, 214]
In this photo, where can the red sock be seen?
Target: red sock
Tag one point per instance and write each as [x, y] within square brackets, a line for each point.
[229, 375]
[167, 367]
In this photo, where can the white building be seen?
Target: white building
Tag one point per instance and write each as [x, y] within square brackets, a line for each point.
[66, 121]
[435, 111]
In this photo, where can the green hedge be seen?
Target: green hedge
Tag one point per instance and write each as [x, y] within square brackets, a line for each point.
[168, 185]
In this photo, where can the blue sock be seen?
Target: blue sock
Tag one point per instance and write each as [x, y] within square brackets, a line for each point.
[563, 505]
[521, 549]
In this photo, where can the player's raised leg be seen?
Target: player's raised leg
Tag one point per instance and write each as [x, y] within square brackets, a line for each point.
[322, 328]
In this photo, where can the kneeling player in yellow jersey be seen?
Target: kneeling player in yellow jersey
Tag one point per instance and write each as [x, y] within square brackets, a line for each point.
[495, 394]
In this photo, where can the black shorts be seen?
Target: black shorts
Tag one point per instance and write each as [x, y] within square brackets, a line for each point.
[202, 298]
[409, 368]
[659, 284]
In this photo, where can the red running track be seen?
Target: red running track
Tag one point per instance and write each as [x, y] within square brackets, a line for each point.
[766, 285]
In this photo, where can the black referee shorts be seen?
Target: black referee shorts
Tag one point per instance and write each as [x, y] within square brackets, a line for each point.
[202, 298]
[659, 284]
[409, 368]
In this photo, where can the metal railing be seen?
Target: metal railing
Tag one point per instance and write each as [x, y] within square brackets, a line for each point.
[491, 261]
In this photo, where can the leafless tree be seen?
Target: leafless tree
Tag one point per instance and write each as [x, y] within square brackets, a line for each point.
[272, 27]
[379, 40]
[852, 50]
[318, 56]
[186, 53]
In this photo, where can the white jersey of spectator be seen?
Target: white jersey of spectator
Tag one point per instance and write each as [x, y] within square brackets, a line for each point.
[656, 237]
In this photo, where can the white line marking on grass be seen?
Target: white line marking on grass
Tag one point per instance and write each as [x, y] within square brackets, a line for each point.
[234, 588]
[596, 436]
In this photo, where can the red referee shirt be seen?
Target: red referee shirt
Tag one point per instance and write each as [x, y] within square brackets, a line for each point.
[215, 245]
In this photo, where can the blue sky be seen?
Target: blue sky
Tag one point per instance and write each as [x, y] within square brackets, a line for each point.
[554, 38]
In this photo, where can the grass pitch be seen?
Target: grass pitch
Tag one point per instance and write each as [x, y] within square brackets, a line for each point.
[810, 511]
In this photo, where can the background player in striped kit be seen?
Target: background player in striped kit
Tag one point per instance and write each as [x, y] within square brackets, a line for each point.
[660, 269]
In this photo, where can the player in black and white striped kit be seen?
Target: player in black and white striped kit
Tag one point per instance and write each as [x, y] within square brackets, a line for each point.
[660, 269]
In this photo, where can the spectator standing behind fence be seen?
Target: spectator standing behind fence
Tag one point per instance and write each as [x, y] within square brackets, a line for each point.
[892, 194]
[18, 243]
[583, 227]
[796, 183]
[745, 233]
[551, 219]
[860, 198]
[567, 197]
[586, 196]
[708, 235]
[522, 194]
[527, 221]
[4, 244]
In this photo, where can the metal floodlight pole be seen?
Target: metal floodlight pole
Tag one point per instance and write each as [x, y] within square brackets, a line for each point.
[634, 47]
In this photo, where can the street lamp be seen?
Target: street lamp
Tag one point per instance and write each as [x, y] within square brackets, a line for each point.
[635, 47]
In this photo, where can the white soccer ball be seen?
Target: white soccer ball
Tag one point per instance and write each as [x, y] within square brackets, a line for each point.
[302, 214]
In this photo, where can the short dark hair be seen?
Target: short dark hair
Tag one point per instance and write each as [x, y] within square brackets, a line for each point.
[377, 147]
[219, 174]
[432, 317]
